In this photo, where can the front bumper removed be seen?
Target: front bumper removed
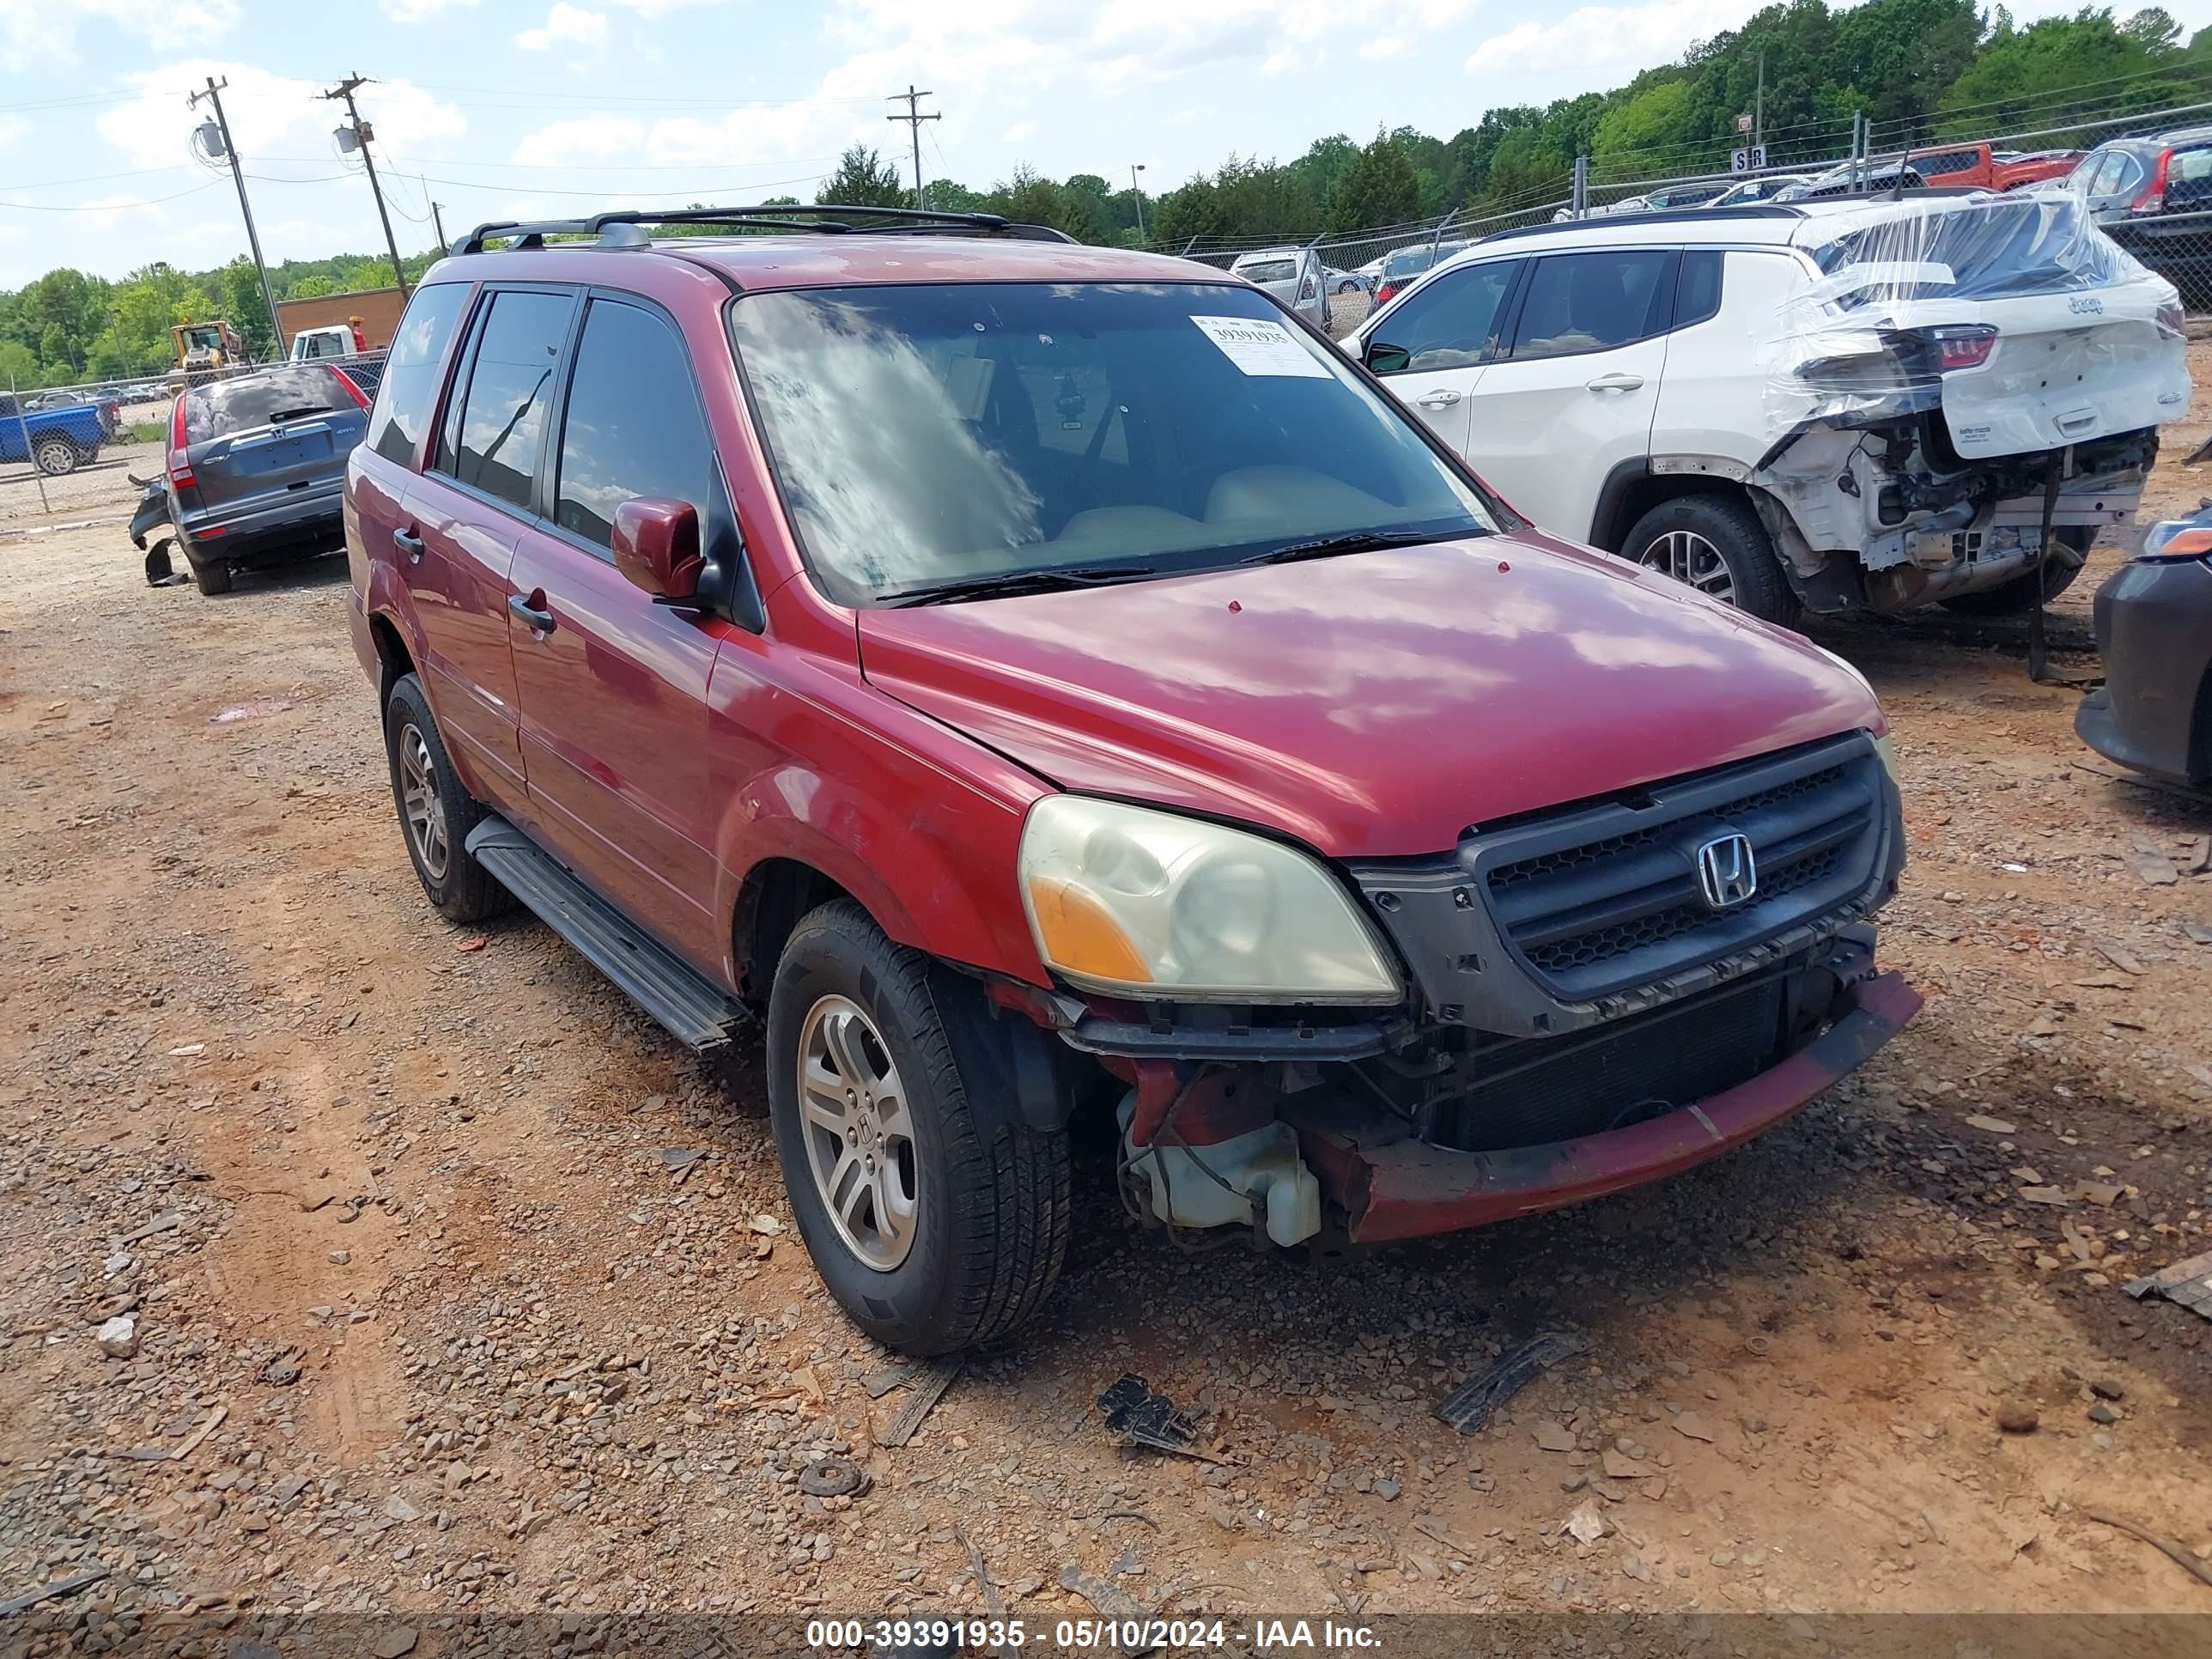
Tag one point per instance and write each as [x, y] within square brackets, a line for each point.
[1389, 1184]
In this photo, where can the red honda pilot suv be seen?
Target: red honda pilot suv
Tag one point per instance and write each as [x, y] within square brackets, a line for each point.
[1042, 679]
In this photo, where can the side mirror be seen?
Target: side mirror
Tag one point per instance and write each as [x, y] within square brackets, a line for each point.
[1384, 359]
[656, 546]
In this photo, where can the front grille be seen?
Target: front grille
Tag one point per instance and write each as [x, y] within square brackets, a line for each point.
[1535, 1092]
[1554, 921]
[1609, 896]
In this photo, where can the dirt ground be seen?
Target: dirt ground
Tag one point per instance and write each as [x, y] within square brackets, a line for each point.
[428, 1317]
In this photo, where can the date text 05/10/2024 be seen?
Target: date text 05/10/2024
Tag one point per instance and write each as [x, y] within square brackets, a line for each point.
[1080, 1635]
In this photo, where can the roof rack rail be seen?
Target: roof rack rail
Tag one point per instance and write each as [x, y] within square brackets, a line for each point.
[624, 227]
[1695, 216]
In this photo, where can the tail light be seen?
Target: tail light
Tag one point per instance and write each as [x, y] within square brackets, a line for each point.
[2151, 199]
[353, 391]
[1382, 294]
[1307, 289]
[2172, 320]
[1963, 345]
[2176, 541]
[180, 472]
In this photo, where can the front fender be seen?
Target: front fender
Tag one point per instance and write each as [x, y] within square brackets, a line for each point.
[919, 824]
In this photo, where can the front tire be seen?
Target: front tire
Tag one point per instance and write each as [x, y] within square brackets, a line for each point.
[1716, 544]
[935, 1227]
[436, 811]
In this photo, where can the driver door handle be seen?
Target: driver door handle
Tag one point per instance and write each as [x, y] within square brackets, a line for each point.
[1616, 383]
[410, 543]
[1442, 398]
[538, 620]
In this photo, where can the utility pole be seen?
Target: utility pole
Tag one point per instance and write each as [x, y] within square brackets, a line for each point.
[361, 133]
[214, 95]
[1136, 167]
[914, 118]
[1759, 107]
[437, 221]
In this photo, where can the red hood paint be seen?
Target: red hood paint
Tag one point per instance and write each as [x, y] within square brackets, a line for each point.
[1374, 704]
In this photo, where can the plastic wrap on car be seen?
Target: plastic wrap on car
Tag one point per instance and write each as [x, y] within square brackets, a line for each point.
[1853, 346]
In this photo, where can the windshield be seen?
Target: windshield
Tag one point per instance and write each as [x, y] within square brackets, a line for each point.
[202, 339]
[944, 434]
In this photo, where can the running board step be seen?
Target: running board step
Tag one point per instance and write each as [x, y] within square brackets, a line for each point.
[694, 1009]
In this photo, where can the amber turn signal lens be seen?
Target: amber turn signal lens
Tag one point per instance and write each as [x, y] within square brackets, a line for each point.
[1079, 935]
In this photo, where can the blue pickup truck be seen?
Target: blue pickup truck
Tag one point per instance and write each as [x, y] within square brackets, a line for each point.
[56, 441]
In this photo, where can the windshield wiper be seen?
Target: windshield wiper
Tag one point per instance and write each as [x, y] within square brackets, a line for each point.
[1004, 583]
[279, 416]
[1351, 541]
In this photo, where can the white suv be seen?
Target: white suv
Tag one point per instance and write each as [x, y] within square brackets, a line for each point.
[1829, 405]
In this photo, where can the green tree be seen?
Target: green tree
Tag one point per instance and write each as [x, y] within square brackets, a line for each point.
[865, 178]
[312, 288]
[244, 309]
[2153, 29]
[1378, 188]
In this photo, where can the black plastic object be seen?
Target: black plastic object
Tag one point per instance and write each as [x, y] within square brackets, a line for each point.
[1137, 1417]
[1467, 1407]
[692, 1008]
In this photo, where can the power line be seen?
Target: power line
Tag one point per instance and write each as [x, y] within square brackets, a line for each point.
[114, 207]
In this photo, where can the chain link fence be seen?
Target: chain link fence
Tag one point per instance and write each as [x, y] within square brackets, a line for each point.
[67, 453]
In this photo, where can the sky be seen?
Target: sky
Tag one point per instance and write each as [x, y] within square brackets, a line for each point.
[498, 109]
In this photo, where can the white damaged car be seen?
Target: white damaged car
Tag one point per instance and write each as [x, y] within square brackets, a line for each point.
[1823, 405]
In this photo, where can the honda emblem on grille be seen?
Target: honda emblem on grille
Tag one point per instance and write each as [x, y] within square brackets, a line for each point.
[1726, 872]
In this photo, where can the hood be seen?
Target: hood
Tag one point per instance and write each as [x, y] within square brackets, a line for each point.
[1372, 705]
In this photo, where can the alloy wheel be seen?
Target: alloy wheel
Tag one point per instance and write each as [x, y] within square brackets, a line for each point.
[853, 1114]
[1692, 559]
[424, 808]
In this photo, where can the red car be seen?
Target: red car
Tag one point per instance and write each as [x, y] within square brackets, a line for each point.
[1044, 680]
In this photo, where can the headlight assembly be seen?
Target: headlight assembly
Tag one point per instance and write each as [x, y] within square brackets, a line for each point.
[1144, 904]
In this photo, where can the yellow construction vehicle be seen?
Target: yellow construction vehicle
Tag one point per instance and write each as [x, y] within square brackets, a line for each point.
[205, 348]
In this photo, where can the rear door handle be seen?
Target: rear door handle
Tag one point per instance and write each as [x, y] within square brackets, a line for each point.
[1616, 383]
[410, 543]
[538, 621]
[1440, 398]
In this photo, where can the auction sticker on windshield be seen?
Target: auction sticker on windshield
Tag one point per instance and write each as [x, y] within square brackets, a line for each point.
[1258, 345]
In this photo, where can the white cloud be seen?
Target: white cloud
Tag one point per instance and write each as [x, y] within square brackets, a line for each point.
[1382, 45]
[566, 25]
[106, 212]
[1019, 130]
[1594, 37]
[31, 31]
[12, 129]
[415, 11]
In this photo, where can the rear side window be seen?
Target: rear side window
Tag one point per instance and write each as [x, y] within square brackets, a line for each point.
[1698, 290]
[1269, 270]
[633, 427]
[410, 371]
[502, 419]
[1452, 322]
[251, 401]
[1943, 162]
[1595, 302]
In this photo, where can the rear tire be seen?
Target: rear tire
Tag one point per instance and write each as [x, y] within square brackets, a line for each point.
[57, 456]
[209, 578]
[436, 813]
[956, 1232]
[1716, 544]
[2039, 587]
